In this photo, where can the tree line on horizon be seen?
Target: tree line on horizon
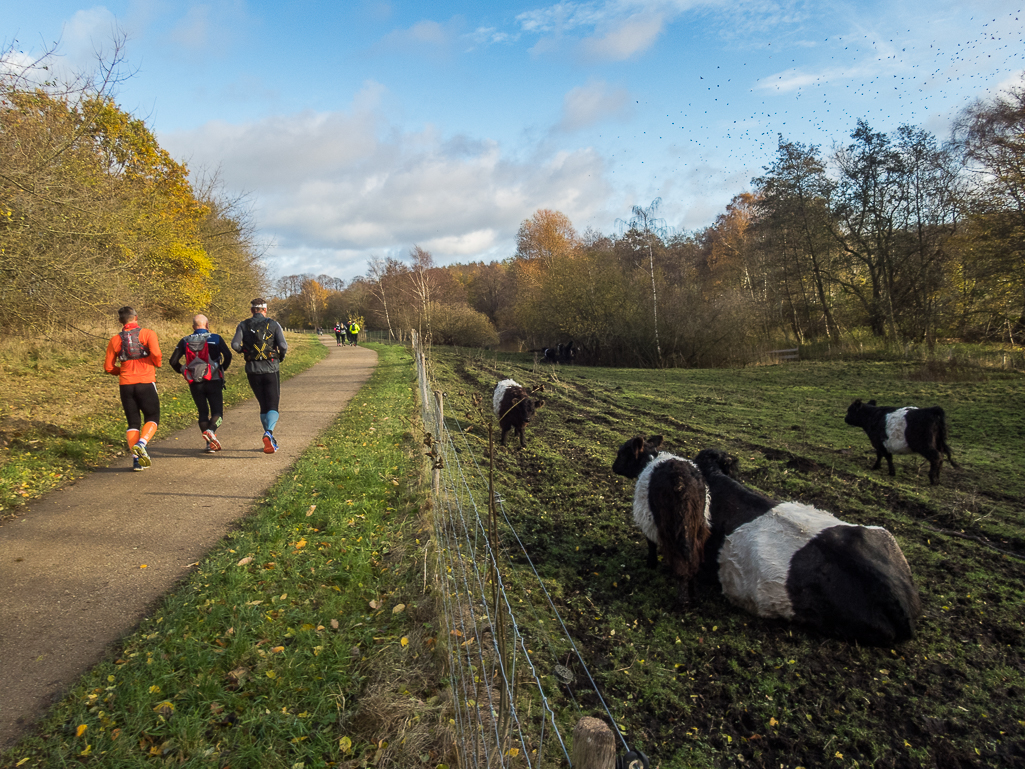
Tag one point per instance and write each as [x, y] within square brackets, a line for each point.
[892, 237]
[895, 237]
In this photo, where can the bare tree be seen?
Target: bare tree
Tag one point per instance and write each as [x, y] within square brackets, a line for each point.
[644, 220]
[289, 285]
[422, 283]
[378, 272]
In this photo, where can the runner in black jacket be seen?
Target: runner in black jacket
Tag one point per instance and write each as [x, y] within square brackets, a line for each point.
[262, 342]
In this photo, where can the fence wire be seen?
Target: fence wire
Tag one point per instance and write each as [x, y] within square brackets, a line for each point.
[505, 632]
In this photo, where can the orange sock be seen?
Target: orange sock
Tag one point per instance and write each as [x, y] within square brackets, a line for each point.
[133, 438]
[148, 431]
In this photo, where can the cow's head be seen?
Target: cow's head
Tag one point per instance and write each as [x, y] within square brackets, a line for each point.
[634, 455]
[857, 413]
[710, 460]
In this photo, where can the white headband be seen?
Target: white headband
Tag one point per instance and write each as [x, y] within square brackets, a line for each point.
[258, 306]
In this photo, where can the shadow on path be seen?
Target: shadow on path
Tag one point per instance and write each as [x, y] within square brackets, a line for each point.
[88, 562]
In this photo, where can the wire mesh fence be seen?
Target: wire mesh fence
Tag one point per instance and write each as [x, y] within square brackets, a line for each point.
[513, 663]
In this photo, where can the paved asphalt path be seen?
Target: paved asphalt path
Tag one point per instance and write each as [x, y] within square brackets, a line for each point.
[71, 576]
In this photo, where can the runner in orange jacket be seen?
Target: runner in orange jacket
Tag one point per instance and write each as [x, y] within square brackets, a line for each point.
[133, 356]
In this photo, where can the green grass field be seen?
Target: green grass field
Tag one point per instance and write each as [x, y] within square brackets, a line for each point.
[714, 686]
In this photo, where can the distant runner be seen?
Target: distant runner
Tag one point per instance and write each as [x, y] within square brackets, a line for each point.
[262, 342]
[339, 331]
[353, 332]
[207, 357]
[133, 356]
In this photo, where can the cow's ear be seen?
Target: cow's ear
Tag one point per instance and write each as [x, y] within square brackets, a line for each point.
[872, 402]
[655, 441]
[857, 402]
[637, 444]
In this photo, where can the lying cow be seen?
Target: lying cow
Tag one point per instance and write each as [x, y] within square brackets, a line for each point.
[791, 561]
[895, 430]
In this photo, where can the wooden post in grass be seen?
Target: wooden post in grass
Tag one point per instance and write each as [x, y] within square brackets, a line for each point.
[439, 401]
[594, 745]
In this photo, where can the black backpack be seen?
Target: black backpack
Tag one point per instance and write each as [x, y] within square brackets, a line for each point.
[131, 347]
[258, 339]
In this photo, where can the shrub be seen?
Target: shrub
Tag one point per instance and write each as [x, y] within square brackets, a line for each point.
[461, 325]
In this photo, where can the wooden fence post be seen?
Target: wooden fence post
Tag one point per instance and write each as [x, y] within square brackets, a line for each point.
[594, 745]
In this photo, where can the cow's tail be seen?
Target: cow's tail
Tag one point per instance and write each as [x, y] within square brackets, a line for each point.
[941, 434]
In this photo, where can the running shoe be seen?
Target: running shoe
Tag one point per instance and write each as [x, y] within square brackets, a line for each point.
[136, 466]
[212, 444]
[139, 450]
[269, 444]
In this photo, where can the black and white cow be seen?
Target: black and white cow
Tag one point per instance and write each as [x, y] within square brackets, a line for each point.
[787, 560]
[670, 506]
[514, 407]
[563, 353]
[903, 430]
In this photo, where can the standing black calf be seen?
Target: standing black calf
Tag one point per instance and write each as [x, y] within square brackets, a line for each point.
[514, 407]
[670, 507]
[903, 430]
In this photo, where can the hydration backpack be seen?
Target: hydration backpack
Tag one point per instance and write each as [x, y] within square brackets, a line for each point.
[258, 339]
[131, 347]
[198, 365]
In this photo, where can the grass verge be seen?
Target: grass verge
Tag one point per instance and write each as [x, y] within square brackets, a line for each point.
[61, 416]
[303, 640]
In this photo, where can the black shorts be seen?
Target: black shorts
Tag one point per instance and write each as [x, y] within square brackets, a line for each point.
[137, 398]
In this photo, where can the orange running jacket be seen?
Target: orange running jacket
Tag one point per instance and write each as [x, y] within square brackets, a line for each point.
[138, 371]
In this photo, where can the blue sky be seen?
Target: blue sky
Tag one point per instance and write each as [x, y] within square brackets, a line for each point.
[361, 128]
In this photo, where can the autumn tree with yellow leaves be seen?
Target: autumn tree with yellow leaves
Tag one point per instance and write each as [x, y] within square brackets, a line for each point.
[95, 214]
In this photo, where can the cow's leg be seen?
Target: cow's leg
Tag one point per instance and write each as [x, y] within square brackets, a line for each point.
[880, 453]
[652, 555]
[505, 432]
[889, 463]
[935, 463]
[523, 439]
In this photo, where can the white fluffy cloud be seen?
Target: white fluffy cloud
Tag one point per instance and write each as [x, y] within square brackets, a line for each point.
[332, 189]
[626, 39]
[597, 101]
